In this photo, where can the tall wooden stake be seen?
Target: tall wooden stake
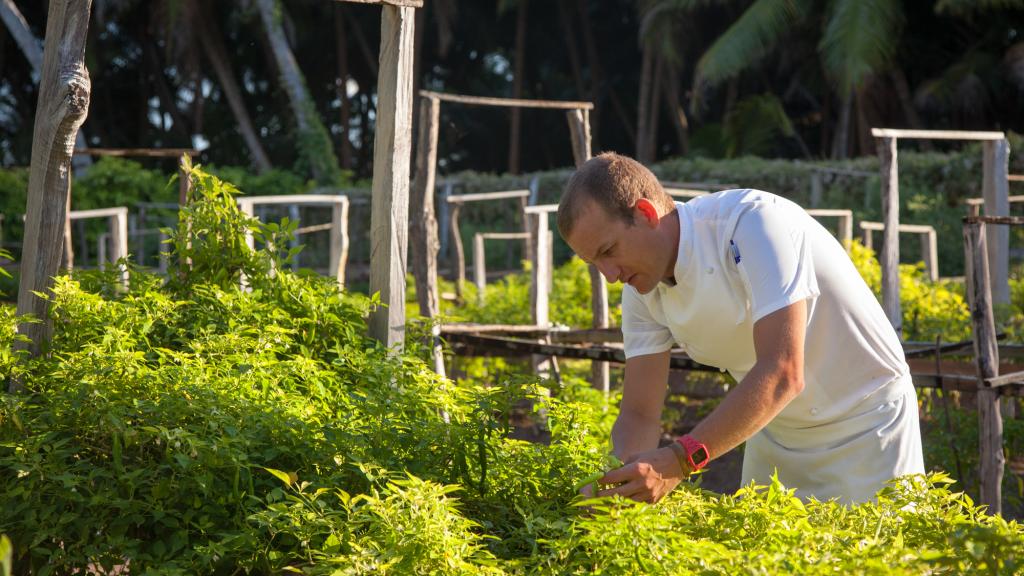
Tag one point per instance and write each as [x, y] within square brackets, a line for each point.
[63, 106]
[986, 353]
[579, 131]
[423, 224]
[389, 218]
[890, 253]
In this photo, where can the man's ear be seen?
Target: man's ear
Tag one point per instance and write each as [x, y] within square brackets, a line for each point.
[646, 211]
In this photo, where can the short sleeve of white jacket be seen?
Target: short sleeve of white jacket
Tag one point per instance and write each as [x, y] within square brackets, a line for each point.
[641, 334]
[775, 260]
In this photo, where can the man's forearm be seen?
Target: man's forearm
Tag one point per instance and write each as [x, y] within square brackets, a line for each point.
[634, 433]
[758, 398]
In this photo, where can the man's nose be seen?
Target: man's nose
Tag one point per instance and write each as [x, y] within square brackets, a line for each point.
[610, 271]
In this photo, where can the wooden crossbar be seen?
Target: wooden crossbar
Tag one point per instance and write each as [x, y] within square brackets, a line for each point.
[137, 152]
[686, 192]
[405, 3]
[507, 102]
[936, 134]
[482, 196]
[541, 209]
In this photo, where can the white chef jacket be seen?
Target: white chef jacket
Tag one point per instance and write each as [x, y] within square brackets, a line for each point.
[744, 254]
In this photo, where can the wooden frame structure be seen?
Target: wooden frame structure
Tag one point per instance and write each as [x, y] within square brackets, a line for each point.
[929, 242]
[117, 222]
[338, 227]
[423, 225]
[990, 384]
[456, 202]
[480, 257]
[995, 189]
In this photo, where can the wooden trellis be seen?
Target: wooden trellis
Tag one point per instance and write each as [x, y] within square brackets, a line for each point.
[995, 189]
[117, 226]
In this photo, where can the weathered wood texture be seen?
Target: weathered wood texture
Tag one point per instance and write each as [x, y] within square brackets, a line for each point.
[423, 222]
[389, 217]
[508, 102]
[936, 134]
[890, 254]
[63, 105]
[995, 189]
[986, 353]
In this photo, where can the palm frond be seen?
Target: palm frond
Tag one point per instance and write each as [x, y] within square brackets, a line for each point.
[749, 39]
[755, 124]
[962, 7]
[860, 38]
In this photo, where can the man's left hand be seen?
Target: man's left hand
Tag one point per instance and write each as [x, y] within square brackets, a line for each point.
[647, 477]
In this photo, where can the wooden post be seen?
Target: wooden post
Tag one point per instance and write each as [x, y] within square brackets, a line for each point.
[63, 106]
[846, 230]
[460, 254]
[389, 216]
[986, 354]
[479, 265]
[423, 225]
[539, 271]
[930, 254]
[996, 191]
[817, 187]
[579, 130]
[890, 253]
[119, 239]
[339, 241]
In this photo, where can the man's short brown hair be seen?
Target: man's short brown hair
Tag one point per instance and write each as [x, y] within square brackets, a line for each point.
[615, 183]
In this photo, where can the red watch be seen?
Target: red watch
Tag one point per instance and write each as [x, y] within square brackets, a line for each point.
[697, 455]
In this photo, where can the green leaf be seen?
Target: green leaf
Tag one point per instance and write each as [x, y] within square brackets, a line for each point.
[282, 476]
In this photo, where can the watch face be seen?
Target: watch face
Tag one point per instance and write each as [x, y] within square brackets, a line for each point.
[700, 457]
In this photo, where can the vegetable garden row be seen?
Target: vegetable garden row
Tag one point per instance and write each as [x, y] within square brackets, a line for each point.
[186, 425]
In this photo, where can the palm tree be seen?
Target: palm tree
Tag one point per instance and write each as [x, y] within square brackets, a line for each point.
[858, 39]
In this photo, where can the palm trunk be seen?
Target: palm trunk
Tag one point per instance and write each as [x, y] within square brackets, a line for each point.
[596, 76]
[840, 145]
[899, 82]
[571, 48]
[517, 88]
[643, 100]
[213, 46]
[345, 114]
[314, 144]
[674, 107]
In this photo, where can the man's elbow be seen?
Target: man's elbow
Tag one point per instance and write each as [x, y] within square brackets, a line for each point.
[790, 383]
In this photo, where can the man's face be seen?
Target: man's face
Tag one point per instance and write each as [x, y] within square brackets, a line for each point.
[634, 255]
